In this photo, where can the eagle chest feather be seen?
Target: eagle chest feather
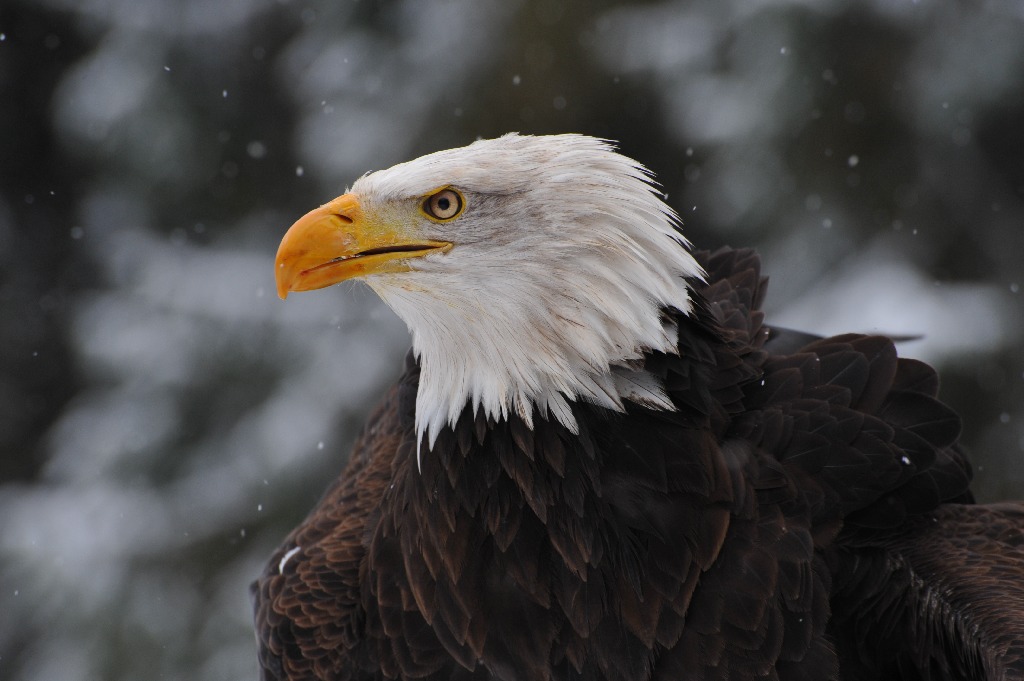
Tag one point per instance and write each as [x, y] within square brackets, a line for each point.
[539, 549]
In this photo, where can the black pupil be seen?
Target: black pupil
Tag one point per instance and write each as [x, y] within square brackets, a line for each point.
[443, 204]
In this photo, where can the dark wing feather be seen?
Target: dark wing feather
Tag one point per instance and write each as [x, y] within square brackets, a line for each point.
[941, 599]
[783, 341]
[866, 446]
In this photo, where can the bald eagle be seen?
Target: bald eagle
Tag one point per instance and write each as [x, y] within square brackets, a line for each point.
[601, 463]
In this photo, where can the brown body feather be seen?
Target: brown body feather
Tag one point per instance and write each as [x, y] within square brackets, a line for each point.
[804, 514]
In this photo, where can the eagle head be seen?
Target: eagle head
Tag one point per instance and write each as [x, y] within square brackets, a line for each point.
[533, 272]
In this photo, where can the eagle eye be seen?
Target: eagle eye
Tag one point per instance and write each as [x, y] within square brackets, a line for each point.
[444, 205]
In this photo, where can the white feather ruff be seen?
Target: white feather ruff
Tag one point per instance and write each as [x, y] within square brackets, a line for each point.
[564, 258]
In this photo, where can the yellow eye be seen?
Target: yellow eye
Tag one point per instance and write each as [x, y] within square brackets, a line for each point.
[444, 205]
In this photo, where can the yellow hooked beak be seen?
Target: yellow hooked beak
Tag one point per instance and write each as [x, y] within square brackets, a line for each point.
[337, 241]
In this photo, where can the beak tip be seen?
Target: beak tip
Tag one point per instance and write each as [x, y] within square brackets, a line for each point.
[283, 289]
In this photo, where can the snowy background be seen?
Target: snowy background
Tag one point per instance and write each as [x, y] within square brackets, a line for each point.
[164, 419]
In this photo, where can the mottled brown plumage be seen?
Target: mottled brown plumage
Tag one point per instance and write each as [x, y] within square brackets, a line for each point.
[802, 514]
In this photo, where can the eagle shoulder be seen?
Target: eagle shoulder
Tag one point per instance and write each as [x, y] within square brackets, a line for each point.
[308, 612]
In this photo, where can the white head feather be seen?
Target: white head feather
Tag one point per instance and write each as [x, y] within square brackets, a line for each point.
[563, 261]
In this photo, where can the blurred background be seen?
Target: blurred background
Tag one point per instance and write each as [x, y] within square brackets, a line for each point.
[165, 419]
